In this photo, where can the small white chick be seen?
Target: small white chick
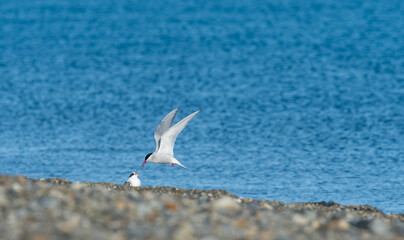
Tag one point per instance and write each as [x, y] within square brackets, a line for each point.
[133, 180]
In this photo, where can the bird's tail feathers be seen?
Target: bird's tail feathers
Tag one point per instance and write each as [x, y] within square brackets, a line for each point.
[178, 163]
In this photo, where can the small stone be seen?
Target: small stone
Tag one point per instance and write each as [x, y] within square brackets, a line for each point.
[316, 224]
[185, 231]
[117, 236]
[38, 237]
[148, 195]
[3, 197]
[120, 205]
[226, 205]
[339, 224]
[171, 206]
[266, 235]
[78, 185]
[16, 187]
[379, 227]
[251, 233]
[69, 225]
[300, 219]
[48, 202]
[363, 224]
[241, 223]
[267, 206]
[56, 194]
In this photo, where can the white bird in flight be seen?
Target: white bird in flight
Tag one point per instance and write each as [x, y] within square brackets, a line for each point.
[165, 136]
[133, 180]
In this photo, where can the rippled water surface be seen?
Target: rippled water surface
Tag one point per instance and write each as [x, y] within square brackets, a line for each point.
[301, 100]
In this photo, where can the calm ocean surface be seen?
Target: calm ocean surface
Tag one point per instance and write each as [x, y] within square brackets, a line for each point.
[301, 100]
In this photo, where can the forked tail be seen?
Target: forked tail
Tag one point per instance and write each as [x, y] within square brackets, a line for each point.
[178, 163]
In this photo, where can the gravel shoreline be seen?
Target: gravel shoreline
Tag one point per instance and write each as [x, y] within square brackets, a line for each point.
[59, 209]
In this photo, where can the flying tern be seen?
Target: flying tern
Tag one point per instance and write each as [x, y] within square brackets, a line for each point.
[165, 136]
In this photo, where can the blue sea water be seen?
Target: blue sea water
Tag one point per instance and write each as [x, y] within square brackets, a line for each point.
[301, 100]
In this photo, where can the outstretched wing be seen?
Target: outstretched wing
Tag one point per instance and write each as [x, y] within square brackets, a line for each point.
[164, 125]
[169, 137]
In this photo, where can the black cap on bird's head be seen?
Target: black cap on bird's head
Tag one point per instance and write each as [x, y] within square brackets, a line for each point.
[147, 156]
[145, 159]
[134, 173]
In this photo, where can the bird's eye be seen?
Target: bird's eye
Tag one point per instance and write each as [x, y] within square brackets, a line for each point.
[131, 174]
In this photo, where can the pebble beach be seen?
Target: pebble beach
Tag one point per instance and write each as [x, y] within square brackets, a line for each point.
[59, 209]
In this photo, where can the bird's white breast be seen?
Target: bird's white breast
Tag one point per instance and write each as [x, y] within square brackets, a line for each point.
[161, 158]
[134, 181]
